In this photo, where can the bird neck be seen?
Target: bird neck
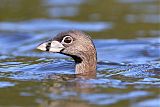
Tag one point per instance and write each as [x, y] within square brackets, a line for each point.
[86, 63]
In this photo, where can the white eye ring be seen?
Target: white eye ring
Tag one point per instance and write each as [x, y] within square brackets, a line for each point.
[69, 41]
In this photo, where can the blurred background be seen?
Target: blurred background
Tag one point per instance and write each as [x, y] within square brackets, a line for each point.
[126, 35]
[123, 19]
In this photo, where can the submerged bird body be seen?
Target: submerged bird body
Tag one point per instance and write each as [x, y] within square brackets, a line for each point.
[77, 45]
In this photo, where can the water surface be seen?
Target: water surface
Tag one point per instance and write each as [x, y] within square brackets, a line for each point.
[126, 37]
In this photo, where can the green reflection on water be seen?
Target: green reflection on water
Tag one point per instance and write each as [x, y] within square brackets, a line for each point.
[129, 19]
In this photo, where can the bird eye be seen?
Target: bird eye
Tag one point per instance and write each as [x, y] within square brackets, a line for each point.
[67, 39]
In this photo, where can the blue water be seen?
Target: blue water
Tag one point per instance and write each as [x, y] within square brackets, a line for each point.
[128, 50]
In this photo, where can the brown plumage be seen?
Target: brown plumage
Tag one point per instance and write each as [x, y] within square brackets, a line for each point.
[76, 44]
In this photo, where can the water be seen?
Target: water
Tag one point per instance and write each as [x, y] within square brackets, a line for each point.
[126, 35]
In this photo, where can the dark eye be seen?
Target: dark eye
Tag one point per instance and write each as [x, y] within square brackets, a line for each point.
[67, 39]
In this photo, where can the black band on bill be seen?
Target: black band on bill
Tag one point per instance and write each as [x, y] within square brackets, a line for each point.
[48, 46]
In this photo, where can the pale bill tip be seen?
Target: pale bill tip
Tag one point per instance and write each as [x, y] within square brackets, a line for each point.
[42, 47]
[54, 47]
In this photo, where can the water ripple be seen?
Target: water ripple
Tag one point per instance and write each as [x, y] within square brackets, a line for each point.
[38, 25]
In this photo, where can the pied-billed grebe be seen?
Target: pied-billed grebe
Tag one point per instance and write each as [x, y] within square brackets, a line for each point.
[76, 44]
